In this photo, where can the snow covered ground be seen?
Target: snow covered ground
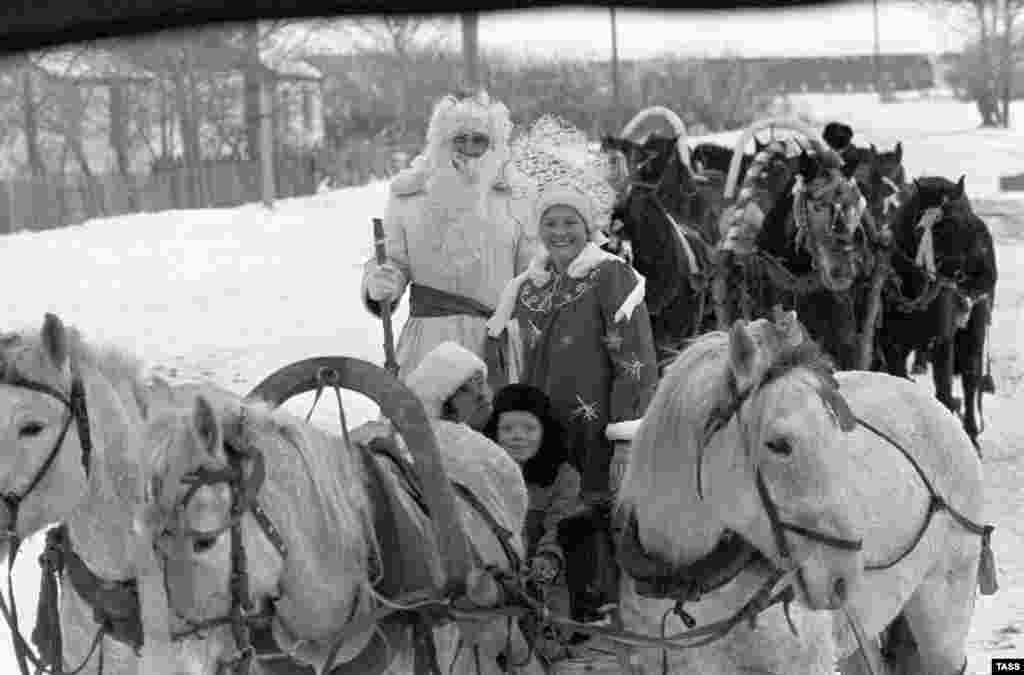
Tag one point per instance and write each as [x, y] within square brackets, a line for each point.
[231, 295]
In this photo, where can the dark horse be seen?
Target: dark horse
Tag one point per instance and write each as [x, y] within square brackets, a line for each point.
[668, 217]
[881, 179]
[944, 267]
[806, 251]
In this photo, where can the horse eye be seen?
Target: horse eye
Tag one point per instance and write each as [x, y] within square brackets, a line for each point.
[780, 447]
[30, 430]
[203, 544]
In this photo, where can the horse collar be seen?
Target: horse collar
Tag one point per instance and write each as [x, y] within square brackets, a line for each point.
[656, 577]
[115, 603]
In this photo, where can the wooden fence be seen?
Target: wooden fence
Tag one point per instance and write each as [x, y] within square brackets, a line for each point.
[58, 201]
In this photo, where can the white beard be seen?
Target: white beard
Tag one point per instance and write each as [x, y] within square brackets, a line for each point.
[458, 186]
[456, 206]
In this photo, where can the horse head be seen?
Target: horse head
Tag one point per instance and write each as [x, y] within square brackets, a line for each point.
[305, 560]
[64, 408]
[741, 437]
[881, 178]
[827, 211]
[195, 495]
[926, 225]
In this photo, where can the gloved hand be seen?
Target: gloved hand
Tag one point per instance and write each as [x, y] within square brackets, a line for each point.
[545, 568]
[384, 282]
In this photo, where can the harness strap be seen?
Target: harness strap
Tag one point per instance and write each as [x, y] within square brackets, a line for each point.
[935, 505]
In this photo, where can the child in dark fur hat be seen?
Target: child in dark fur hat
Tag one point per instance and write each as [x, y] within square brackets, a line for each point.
[522, 422]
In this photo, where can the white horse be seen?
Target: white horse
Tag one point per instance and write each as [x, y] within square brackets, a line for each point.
[749, 434]
[329, 504]
[70, 414]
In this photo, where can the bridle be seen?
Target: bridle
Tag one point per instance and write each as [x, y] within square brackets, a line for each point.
[74, 401]
[244, 498]
[720, 419]
[78, 412]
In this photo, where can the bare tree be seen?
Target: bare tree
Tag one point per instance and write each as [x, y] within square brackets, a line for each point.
[987, 65]
[400, 35]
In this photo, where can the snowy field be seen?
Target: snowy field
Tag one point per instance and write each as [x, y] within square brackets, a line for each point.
[232, 295]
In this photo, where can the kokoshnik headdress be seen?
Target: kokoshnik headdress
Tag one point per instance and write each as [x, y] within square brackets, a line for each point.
[566, 170]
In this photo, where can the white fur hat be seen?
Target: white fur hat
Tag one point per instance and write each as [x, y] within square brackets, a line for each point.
[566, 193]
[478, 113]
[441, 372]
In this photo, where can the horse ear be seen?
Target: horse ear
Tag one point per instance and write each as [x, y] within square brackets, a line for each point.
[55, 340]
[899, 151]
[206, 426]
[961, 188]
[742, 354]
[874, 150]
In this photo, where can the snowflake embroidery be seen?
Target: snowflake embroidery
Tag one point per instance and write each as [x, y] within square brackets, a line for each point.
[632, 368]
[613, 340]
[588, 411]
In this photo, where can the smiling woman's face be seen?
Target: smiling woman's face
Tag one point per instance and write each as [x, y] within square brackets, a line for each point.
[564, 233]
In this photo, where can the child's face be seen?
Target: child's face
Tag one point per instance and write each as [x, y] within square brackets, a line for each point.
[520, 433]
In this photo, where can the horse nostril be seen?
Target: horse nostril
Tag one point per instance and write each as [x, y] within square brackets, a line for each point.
[839, 590]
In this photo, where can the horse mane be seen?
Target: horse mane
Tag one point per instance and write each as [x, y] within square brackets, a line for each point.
[321, 458]
[661, 476]
[332, 468]
[116, 365]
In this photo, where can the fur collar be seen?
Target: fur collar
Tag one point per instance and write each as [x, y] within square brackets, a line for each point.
[539, 272]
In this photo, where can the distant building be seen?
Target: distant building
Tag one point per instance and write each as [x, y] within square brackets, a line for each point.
[900, 72]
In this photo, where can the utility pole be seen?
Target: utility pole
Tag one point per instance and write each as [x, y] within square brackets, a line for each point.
[268, 183]
[878, 55]
[616, 99]
[470, 48]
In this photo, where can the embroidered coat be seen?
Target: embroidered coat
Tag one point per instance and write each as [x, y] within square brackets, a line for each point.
[585, 338]
[468, 256]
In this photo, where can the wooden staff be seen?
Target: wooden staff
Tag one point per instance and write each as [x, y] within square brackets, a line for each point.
[379, 242]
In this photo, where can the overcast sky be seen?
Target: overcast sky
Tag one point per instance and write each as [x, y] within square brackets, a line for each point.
[830, 30]
[837, 29]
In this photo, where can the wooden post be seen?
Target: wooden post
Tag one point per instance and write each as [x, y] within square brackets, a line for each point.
[470, 48]
[266, 143]
[616, 97]
[877, 55]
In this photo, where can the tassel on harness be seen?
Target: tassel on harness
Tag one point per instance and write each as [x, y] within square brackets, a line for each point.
[46, 636]
[987, 583]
